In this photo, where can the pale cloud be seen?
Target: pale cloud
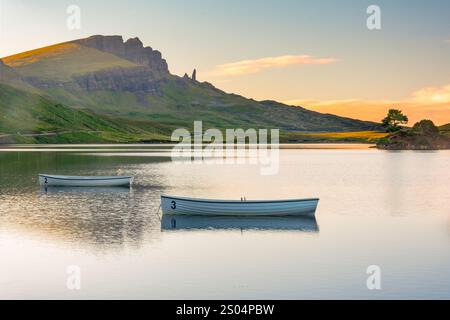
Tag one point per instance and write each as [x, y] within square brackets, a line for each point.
[433, 95]
[427, 103]
[258, 65]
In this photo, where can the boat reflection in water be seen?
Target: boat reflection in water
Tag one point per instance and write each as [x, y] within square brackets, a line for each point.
[288, 223]
[56, 189]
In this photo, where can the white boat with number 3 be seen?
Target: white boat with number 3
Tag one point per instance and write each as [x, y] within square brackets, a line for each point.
[205, 207]
[84, 181]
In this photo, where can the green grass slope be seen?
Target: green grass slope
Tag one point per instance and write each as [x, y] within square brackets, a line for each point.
[32, 113]
[30, 117]
[33, 118]
[62, 61]
[182, 102]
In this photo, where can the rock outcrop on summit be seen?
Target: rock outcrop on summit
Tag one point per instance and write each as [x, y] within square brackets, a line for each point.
[144, 78]
[133, 50]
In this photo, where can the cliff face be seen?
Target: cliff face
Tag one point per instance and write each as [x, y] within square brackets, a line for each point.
[145, 78]
[133, 50]
[136, 80]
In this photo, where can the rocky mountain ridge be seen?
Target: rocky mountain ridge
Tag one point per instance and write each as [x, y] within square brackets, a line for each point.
[133, 49]
[146, 78]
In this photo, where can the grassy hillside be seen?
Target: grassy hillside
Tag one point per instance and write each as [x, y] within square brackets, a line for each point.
[33, 118]
[26, 115]
[31, 113]
[62, 61]
[183, 102]
[11, 77]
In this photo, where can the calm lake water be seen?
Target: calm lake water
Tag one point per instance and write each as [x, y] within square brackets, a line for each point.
[389, 209]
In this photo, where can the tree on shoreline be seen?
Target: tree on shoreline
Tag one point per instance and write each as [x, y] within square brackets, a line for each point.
[393, 120]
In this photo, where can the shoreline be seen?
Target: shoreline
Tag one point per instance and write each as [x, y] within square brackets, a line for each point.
[168, 146]
[135, 147]
[96, 137]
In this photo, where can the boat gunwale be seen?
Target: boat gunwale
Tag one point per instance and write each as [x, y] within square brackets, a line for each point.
[238, 201]
[84, 178]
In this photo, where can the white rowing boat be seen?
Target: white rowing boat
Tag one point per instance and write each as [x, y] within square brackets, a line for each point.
[205, 207]
[84, 181]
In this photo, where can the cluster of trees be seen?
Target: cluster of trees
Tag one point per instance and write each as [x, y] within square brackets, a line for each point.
[423, 135]
[395, 119]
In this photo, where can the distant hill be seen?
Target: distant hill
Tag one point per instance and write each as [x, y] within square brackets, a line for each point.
[124, 85]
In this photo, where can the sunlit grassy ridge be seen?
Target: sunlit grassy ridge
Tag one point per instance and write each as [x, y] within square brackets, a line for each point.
[62, 61]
